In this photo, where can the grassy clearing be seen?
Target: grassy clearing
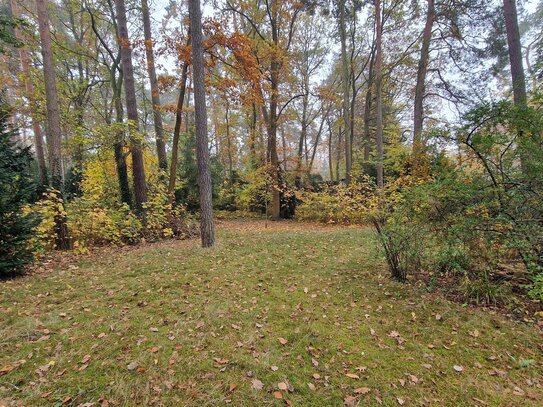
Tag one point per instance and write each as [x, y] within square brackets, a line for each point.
[206, 327]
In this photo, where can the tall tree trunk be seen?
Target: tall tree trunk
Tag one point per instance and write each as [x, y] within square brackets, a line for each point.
[54, 135]
[338, 153]
[207, 227]
[176, 133]
[253, 160]
[229, 143]
[303, 136]
[30, 94]
[345, 85]
[330, 163]
[379, 94]
[420, 89]
[317, 141]
[155, 95]
[116, 87]
[138, 169]
[515, 51]
[367, 108]
[120, 159]
[273, 158]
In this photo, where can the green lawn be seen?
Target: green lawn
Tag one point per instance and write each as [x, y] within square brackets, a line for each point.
[295, 306]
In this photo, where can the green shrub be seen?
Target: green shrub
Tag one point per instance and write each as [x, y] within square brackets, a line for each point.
[16, 188]
[472, 218]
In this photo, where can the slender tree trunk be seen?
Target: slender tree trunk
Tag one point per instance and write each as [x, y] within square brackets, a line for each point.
[316, 145]
[30, 94]
[138, 169]
[345, 96]
[252, 136]
[338, 153]
[120, 159]
[272, 119]
[53, 120]
[367, 108]
[155, 95]
[303, 136]
[379, 94]
[207, 226]
[176, 133]
[420, 89]
[330, 163]
[515, 51]
[284, 142]
[229, 143]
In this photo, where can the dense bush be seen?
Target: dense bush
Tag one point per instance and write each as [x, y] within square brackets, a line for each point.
[16, 188]
[97, 218]
[336, 203]
[477, 215]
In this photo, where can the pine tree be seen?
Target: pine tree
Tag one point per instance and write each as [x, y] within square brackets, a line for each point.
[16, 188]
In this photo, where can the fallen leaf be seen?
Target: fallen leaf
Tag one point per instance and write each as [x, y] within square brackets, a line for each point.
[316, 376]
[277, 395]
[458, 368]
[152, 329]
[282, 341]
[362, 390]
[475, 333]
[352, 376]
[132, 366]
[427, 366]
[6, 369]
[400, 401]
[154, 349]
[232, 387]
[274, 368]
[349, 401]
[311, 386]
[282, 386]
[257, 384]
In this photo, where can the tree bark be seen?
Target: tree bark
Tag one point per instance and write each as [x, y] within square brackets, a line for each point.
[116, 87]
[177, 133]
[367, 109]
[155, 95]
[330, 163]
[120, 160]
[379, 94]
[207, 227]
[273, 158]
[345, 85]
[515, 52]
[420, 88]
[30, 94]
[53, 120]
[138, 169]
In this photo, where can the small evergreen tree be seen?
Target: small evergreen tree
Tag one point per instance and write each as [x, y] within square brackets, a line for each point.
[16, 188]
